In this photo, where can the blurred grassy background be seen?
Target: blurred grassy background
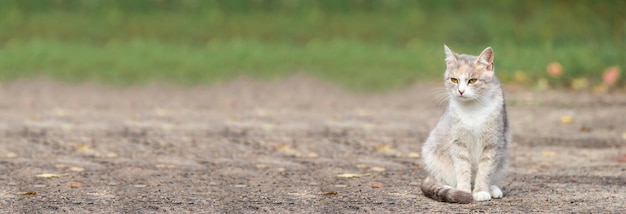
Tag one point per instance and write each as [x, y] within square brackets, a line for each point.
[361, 44]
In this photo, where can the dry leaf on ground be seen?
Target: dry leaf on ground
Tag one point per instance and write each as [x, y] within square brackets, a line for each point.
[74, 184]
[549, 153]
[375, 184]
[51, 175]
[567, 119]
[27, 193]
[353, 175]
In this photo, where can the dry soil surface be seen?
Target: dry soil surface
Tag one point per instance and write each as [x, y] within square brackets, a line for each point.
[291, 146]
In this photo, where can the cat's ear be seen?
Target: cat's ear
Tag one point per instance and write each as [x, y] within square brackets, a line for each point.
[486, 58]
[451, 57]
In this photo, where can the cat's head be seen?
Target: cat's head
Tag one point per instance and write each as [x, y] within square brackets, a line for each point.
[469, 77]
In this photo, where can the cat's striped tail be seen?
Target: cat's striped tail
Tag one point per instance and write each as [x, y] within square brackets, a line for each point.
[439, 192]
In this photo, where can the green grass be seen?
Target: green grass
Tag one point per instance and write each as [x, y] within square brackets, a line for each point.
[358, 65]
[365, 45]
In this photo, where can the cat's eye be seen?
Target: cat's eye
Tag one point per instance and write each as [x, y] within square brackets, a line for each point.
[454, 80]
[472, 81]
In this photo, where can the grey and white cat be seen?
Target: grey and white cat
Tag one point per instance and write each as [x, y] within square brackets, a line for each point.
[466, 154]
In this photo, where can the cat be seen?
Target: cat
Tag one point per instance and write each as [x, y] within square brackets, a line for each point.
[466, 154]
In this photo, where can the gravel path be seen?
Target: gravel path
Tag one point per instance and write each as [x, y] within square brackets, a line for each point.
[294, 146]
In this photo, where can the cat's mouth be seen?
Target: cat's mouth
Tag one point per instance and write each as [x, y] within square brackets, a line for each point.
[464, 97]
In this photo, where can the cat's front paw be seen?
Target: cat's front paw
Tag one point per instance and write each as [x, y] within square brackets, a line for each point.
[482, 196]
[496, 192]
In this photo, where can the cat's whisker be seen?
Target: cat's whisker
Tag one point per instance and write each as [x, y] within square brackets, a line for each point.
[441, 95]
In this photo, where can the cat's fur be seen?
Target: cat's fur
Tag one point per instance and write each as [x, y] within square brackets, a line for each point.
[466, 154]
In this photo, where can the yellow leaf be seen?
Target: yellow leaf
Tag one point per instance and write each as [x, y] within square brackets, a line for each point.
[111, 155]
[11, 155]
[165, 166]
[312, 155]
[549, 153]
[567, 119]
[580, 83]
[262, 166]
[352, 175]
[51, 175]
[377, 169]
[520, 76]
[384, 148]
[286, 149]
[86, 149]
[77, 169]
[414, 155]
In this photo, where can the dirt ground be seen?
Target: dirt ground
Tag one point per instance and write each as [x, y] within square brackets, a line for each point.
[291, 146]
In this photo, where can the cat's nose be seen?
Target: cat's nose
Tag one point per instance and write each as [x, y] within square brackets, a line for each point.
[461, 91]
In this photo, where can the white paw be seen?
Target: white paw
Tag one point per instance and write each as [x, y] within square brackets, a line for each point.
[481, 196]
[496, 192]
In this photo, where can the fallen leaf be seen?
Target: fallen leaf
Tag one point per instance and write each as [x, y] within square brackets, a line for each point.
[352, 175]
[376, 185]
[312, 155]
[111, 155]
[51, 175]
[414, 155]
[621, 159]
[384, 148]
[377, 169]
[75, 185]
[611, 75]
[262, 166]
[330, 193]
[288, 150]
[11, 155]
[555, 69]
[549, 153]
[87, 149]
[600, 89]
[27, 193]
[389, 150]
[520, 76]
[542, 84]
[77, 169]
[362, 166]
[567, 119]
[584, 129]
[580, 83]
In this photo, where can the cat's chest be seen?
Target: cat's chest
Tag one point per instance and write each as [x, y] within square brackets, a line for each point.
[475, 118]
